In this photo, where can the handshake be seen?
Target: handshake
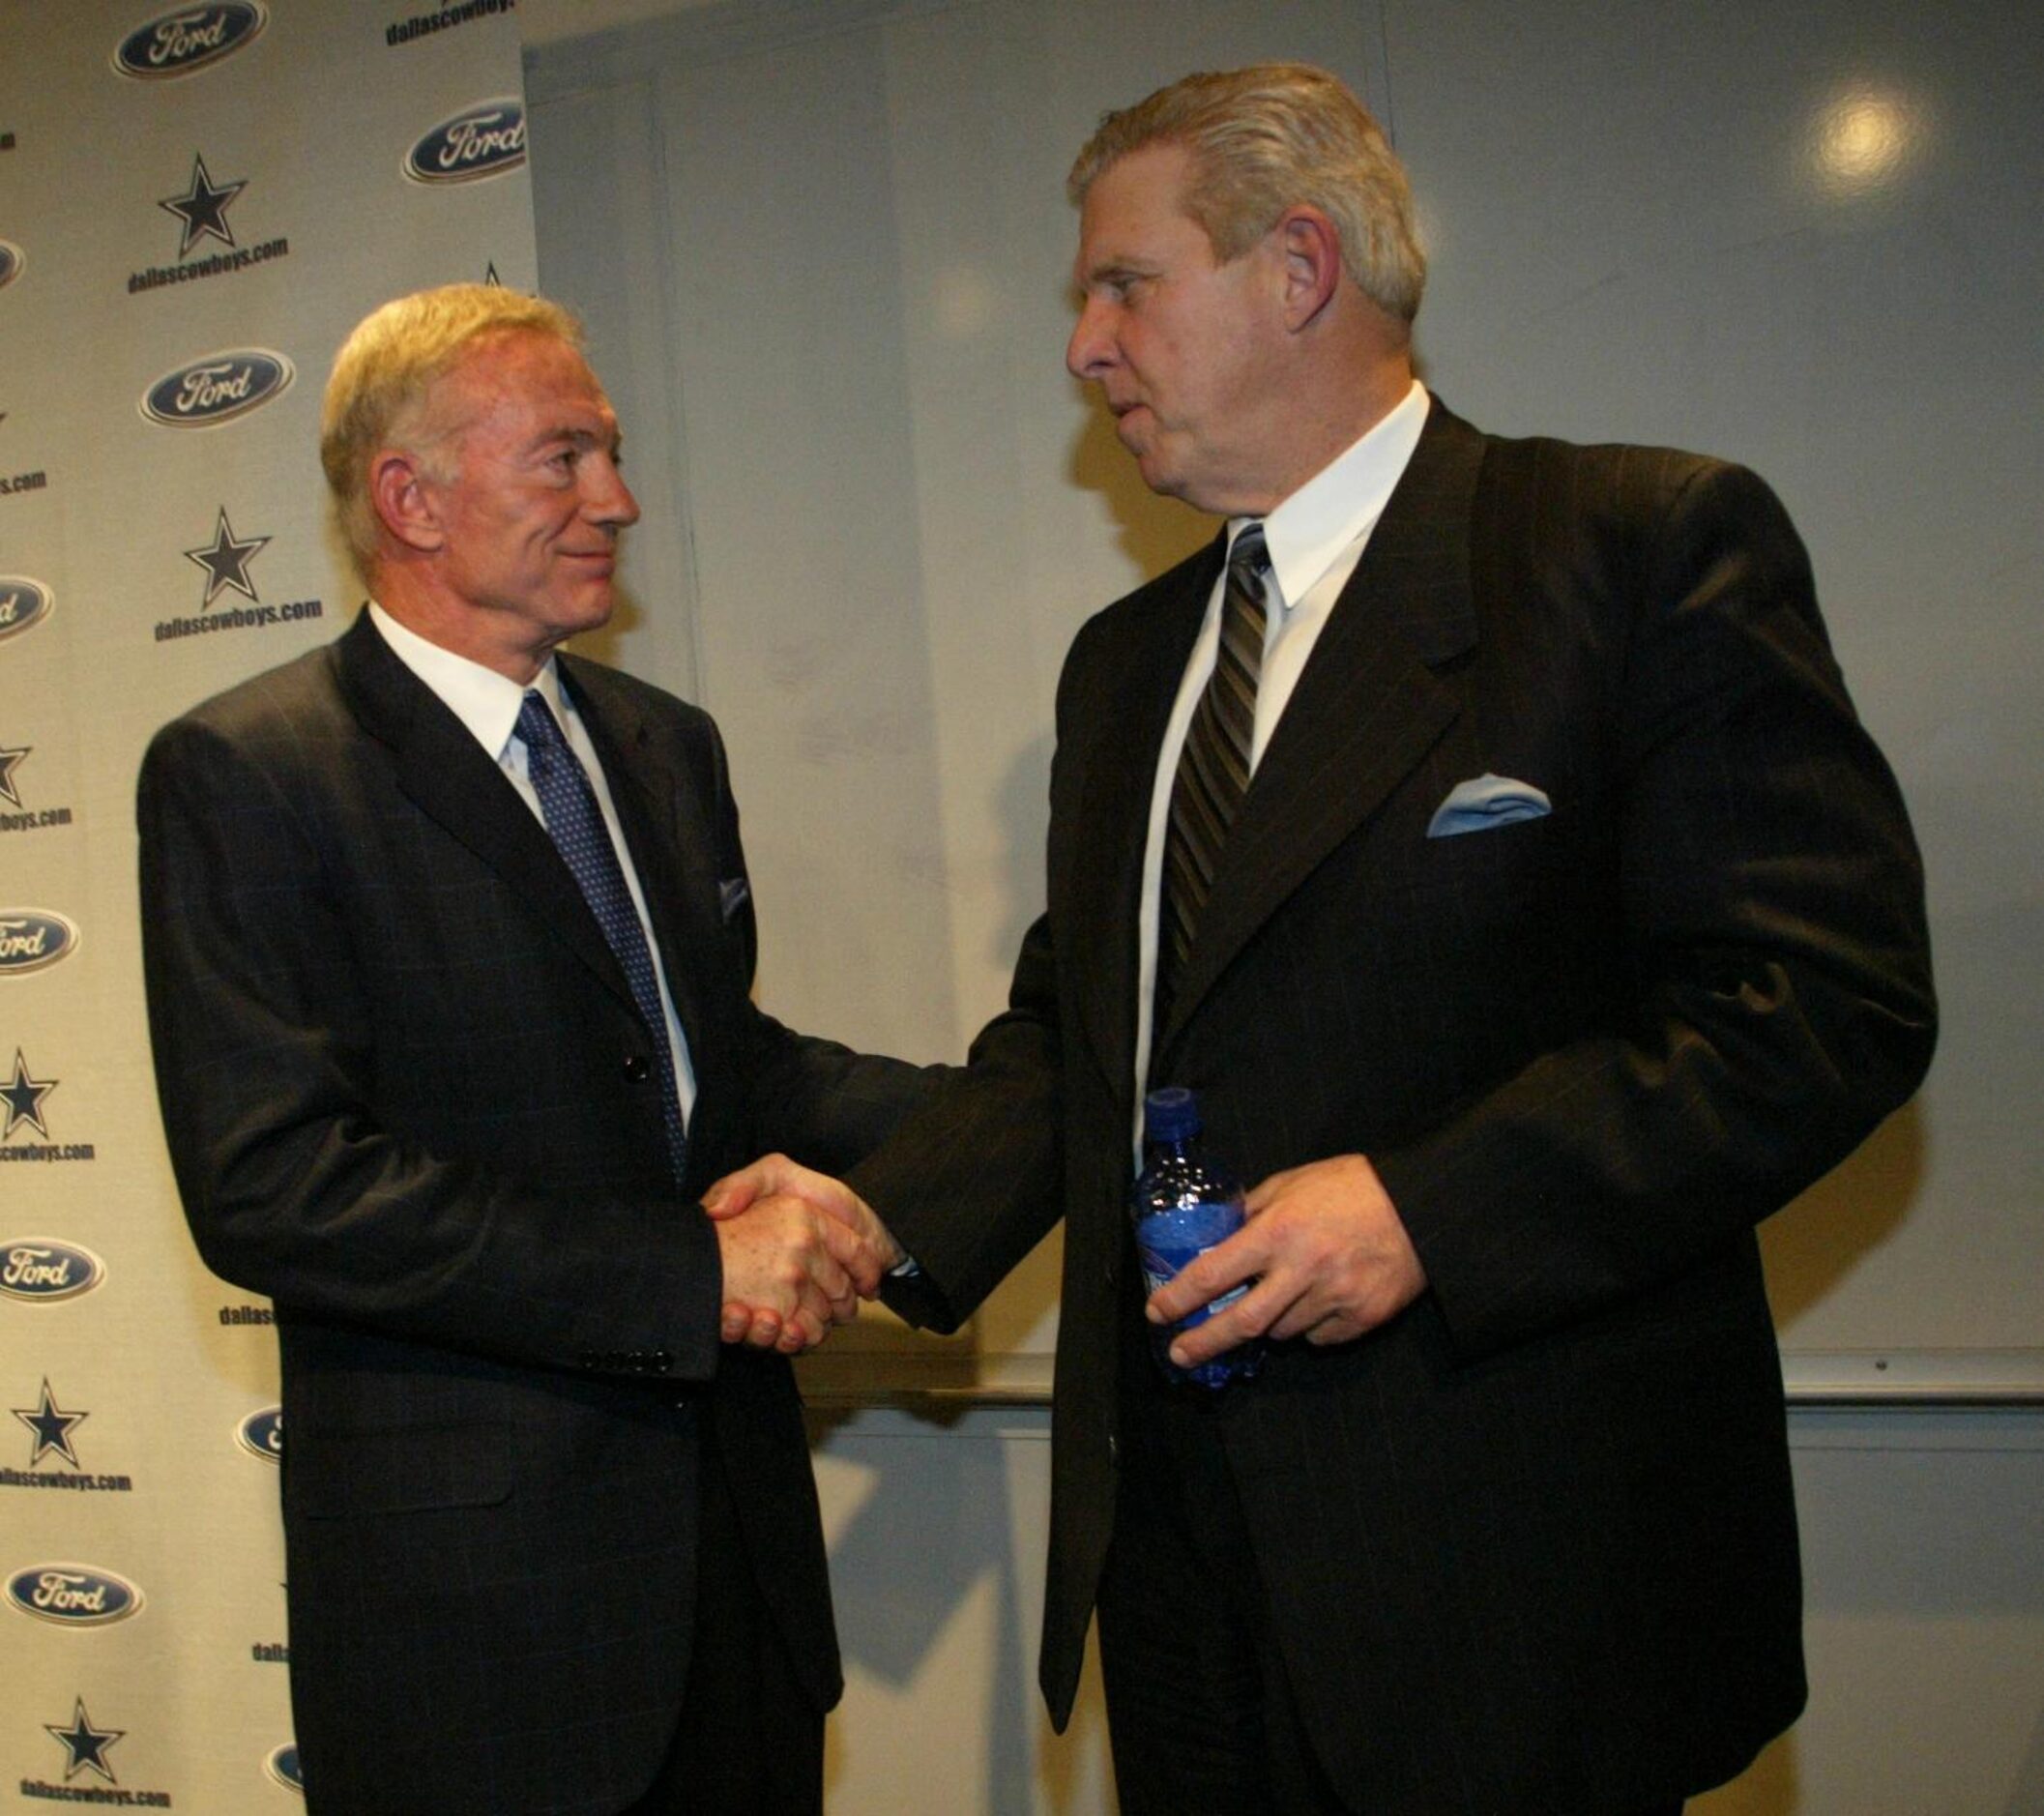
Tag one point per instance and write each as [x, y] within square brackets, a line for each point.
[799, 1251]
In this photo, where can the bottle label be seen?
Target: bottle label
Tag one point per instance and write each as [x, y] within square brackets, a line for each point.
[1168, 1240]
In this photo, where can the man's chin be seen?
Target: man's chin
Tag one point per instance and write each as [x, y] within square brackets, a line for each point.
[1160, 476]
[580, 623]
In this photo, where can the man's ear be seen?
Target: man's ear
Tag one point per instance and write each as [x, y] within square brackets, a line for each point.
[1312, 246]
[406, 500]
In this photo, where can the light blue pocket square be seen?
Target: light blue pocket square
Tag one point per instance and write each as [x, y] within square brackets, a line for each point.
[1486, 801]
[733, 893]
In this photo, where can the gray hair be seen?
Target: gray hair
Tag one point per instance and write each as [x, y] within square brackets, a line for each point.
[380, 390]
[1264, 139]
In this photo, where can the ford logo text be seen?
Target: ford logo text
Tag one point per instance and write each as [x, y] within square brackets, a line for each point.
[485, 140]
[262, 1434]
[43, 1268]
[33, 938]
[23, 602]
[217, 388]
[74, 1595]
[189, 39]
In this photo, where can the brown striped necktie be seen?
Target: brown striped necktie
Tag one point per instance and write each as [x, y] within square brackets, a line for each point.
[1213, 766]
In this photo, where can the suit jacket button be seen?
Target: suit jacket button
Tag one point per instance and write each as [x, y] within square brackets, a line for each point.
[638, 1069]
[1114, 1451]
[661, 1361]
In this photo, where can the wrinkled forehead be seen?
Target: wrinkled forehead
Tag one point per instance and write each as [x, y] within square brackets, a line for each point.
[1136, 209]
[521, 374]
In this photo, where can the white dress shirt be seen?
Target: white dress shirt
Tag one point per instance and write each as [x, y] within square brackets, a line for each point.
[488, 703]
[1315, 538]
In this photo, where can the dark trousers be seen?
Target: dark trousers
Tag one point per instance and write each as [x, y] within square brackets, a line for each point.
[750, 1739]
[1201, 1710]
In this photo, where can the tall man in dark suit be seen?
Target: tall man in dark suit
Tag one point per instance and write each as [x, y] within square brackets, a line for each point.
[1567, 926]
[449, 943]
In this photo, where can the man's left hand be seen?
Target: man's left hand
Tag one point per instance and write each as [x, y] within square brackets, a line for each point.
[1328, 1256]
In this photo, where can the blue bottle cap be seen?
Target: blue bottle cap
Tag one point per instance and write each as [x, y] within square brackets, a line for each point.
[1171, 1113]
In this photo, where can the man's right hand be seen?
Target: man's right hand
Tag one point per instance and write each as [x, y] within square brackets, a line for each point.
[790, 1274]
[851, 1237]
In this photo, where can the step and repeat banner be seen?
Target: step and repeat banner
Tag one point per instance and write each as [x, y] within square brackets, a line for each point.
[196, 206]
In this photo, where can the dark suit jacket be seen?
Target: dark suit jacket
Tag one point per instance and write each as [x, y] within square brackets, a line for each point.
[408, 1095]
[1531, 1546]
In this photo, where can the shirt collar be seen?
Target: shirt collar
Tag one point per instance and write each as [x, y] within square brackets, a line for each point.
[1309, 530]
[486, 702]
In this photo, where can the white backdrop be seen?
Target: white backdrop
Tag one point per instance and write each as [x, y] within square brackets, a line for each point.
[195, 207]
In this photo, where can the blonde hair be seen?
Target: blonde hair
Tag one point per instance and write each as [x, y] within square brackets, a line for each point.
[380, 391]
[1266, 138]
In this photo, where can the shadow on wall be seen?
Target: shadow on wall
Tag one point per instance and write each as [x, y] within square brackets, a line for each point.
[2029, 1793]
[1814, 1243]
[601, 646]
[927, 1535]
[1154, 532]
[1771, 1786]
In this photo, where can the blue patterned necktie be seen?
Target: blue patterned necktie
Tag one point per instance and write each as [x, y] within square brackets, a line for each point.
[576, 823]
[1213, 765]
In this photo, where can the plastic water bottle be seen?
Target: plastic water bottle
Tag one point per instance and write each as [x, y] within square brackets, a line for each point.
[1183, 1205]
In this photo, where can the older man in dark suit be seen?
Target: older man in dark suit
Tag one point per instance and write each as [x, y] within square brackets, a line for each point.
[1533, 917]
[449, 943]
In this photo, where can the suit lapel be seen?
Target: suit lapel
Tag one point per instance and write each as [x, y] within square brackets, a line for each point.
[451, 779]
[1119, 766]
[1366, 709]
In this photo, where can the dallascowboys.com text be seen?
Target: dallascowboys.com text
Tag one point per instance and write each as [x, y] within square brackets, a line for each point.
[117, 1797]
[239, 618]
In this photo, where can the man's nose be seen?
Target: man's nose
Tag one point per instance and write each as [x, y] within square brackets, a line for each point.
[611, 501]
[1091, 349]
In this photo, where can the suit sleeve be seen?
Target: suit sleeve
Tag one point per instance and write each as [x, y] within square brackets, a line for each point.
[973, 1180]
[1772, 990]
[268, 1069]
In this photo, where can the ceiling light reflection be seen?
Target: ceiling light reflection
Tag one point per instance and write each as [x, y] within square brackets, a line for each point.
[1863, 140]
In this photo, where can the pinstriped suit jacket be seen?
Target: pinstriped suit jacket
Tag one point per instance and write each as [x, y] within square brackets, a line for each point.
[1531, 1546]
[408, 1095]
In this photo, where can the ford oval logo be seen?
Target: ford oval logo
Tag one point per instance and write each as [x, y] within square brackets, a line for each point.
[282, 1766]
[262, 1434]
[32, 938]
[483, 140]
[23, 602]
[189, 39]
[217, 388]
[11, 260]
[74, 1595]
[41, 1267]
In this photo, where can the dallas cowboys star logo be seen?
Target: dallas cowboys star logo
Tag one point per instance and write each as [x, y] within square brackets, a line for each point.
[23, 1099]
[51, 1425]
[85, 1743]
[226, 562]
[9, 762]
[203, 208]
